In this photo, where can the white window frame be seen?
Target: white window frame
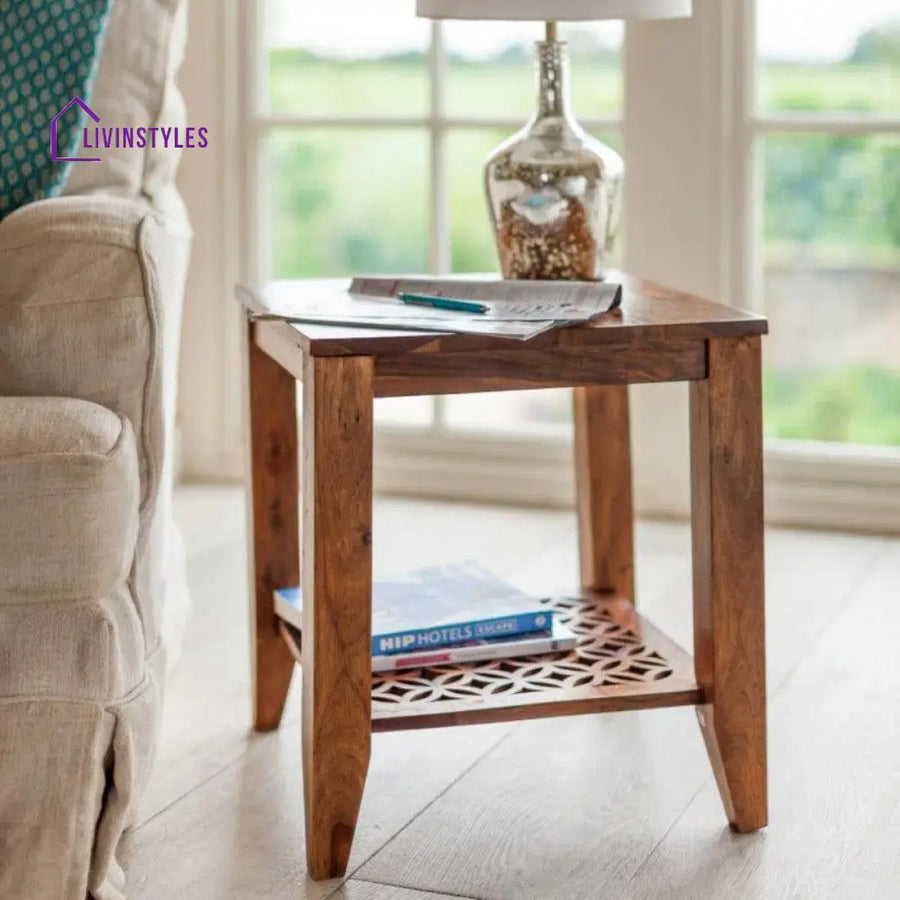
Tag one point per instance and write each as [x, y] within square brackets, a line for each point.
[690, 131]
[829, 484]
[436, 123]
[693, 211]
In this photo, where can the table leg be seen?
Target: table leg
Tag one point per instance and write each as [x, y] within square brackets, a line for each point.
[272, 525]
[603, 489]
[727, 528]
[337, 607]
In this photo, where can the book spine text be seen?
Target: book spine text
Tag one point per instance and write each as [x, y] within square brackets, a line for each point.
[450, 635]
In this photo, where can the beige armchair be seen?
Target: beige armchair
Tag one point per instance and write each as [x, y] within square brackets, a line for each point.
[92, 586]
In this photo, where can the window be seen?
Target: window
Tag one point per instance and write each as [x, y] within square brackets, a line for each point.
[762, 142]
[827, 144]
[372, 143]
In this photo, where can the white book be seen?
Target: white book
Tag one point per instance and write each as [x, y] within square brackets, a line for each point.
[562, 638]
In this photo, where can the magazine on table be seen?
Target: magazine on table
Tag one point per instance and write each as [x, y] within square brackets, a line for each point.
[513, 309]
[508, 300]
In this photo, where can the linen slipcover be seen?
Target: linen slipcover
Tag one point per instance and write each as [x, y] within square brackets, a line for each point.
[91, 590]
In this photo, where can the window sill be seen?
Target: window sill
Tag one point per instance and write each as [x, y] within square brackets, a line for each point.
[807, 484]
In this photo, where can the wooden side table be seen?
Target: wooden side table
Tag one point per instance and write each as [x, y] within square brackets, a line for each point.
[622, 662]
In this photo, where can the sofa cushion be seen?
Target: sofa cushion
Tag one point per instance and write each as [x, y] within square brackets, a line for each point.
[135, 87]
[69, 491]
[48, 56]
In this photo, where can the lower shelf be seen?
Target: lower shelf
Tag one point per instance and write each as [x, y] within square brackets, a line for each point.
[621, 662]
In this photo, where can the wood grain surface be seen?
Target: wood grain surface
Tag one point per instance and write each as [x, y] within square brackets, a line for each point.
[603, 492]
[729, 589]
[276, 340]
[273, 540]
[337, 604]
[498, 693]
[370, 890]
[835, 732]
[619, 806]
[429, 372]
[658, 335]
[648, 311]
[561, 811]
[661, 680]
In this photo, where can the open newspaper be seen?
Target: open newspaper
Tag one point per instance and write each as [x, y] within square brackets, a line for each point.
[516, 309]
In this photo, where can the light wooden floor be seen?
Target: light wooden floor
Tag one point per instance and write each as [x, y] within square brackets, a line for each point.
[586, 808]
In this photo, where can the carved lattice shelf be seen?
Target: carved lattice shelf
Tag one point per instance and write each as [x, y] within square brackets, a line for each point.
[620, 662]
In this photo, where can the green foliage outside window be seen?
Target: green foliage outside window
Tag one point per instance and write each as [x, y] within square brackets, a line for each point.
[348, 200]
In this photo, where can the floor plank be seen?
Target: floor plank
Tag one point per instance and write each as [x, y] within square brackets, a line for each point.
[616, 807]
[206, 715]
[241, 833]
[859, 648]
[810, 579]
[207, 702]
[835, 776]
[561, 809]
[368, 890]
[834, 815]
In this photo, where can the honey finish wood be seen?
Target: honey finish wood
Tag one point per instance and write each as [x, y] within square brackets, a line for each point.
[337, 604]
[431, 820]
[649, 312]
[272, 497]
[521, 369]
[603, 489]
[621, 662]
[729, 614]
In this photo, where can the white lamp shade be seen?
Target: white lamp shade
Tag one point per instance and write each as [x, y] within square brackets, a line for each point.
[555, 10]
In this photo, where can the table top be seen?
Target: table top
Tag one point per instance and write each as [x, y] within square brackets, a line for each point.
[649, 311]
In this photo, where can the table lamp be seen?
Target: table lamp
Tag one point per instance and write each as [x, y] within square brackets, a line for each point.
[554, 192]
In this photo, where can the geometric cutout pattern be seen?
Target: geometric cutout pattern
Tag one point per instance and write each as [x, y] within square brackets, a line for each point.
[49, 50]
[607, 653]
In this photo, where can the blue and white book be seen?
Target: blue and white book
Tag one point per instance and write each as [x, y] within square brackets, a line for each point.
[560, 639]
[439, 606]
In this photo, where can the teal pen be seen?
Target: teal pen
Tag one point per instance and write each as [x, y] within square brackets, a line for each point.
[442, 303]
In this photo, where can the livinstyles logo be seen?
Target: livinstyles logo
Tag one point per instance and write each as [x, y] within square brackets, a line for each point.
[96, 138]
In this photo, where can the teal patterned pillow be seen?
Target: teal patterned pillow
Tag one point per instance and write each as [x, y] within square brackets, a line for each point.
[49, 50]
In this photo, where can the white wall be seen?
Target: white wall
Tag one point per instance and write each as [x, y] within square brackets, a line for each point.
[209, 392]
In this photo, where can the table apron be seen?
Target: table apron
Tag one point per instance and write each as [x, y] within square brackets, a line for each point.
[412, 374]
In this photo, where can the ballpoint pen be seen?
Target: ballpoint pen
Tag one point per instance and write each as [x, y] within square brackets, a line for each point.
[470, 306]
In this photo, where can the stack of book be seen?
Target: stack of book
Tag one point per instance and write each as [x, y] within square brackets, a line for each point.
[448, 614]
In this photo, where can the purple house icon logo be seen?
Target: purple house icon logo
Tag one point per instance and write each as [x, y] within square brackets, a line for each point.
[54, 127]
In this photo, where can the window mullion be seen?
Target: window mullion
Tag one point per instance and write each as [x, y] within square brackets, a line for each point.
[439, 255]
[439, 245]
[745, 288]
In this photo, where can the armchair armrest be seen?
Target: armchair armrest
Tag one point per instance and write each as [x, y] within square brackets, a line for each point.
[90, 308]
[69, 495]
[97, 219]
[81, 305]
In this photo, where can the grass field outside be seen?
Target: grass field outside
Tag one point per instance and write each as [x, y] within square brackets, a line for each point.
[350, 200]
